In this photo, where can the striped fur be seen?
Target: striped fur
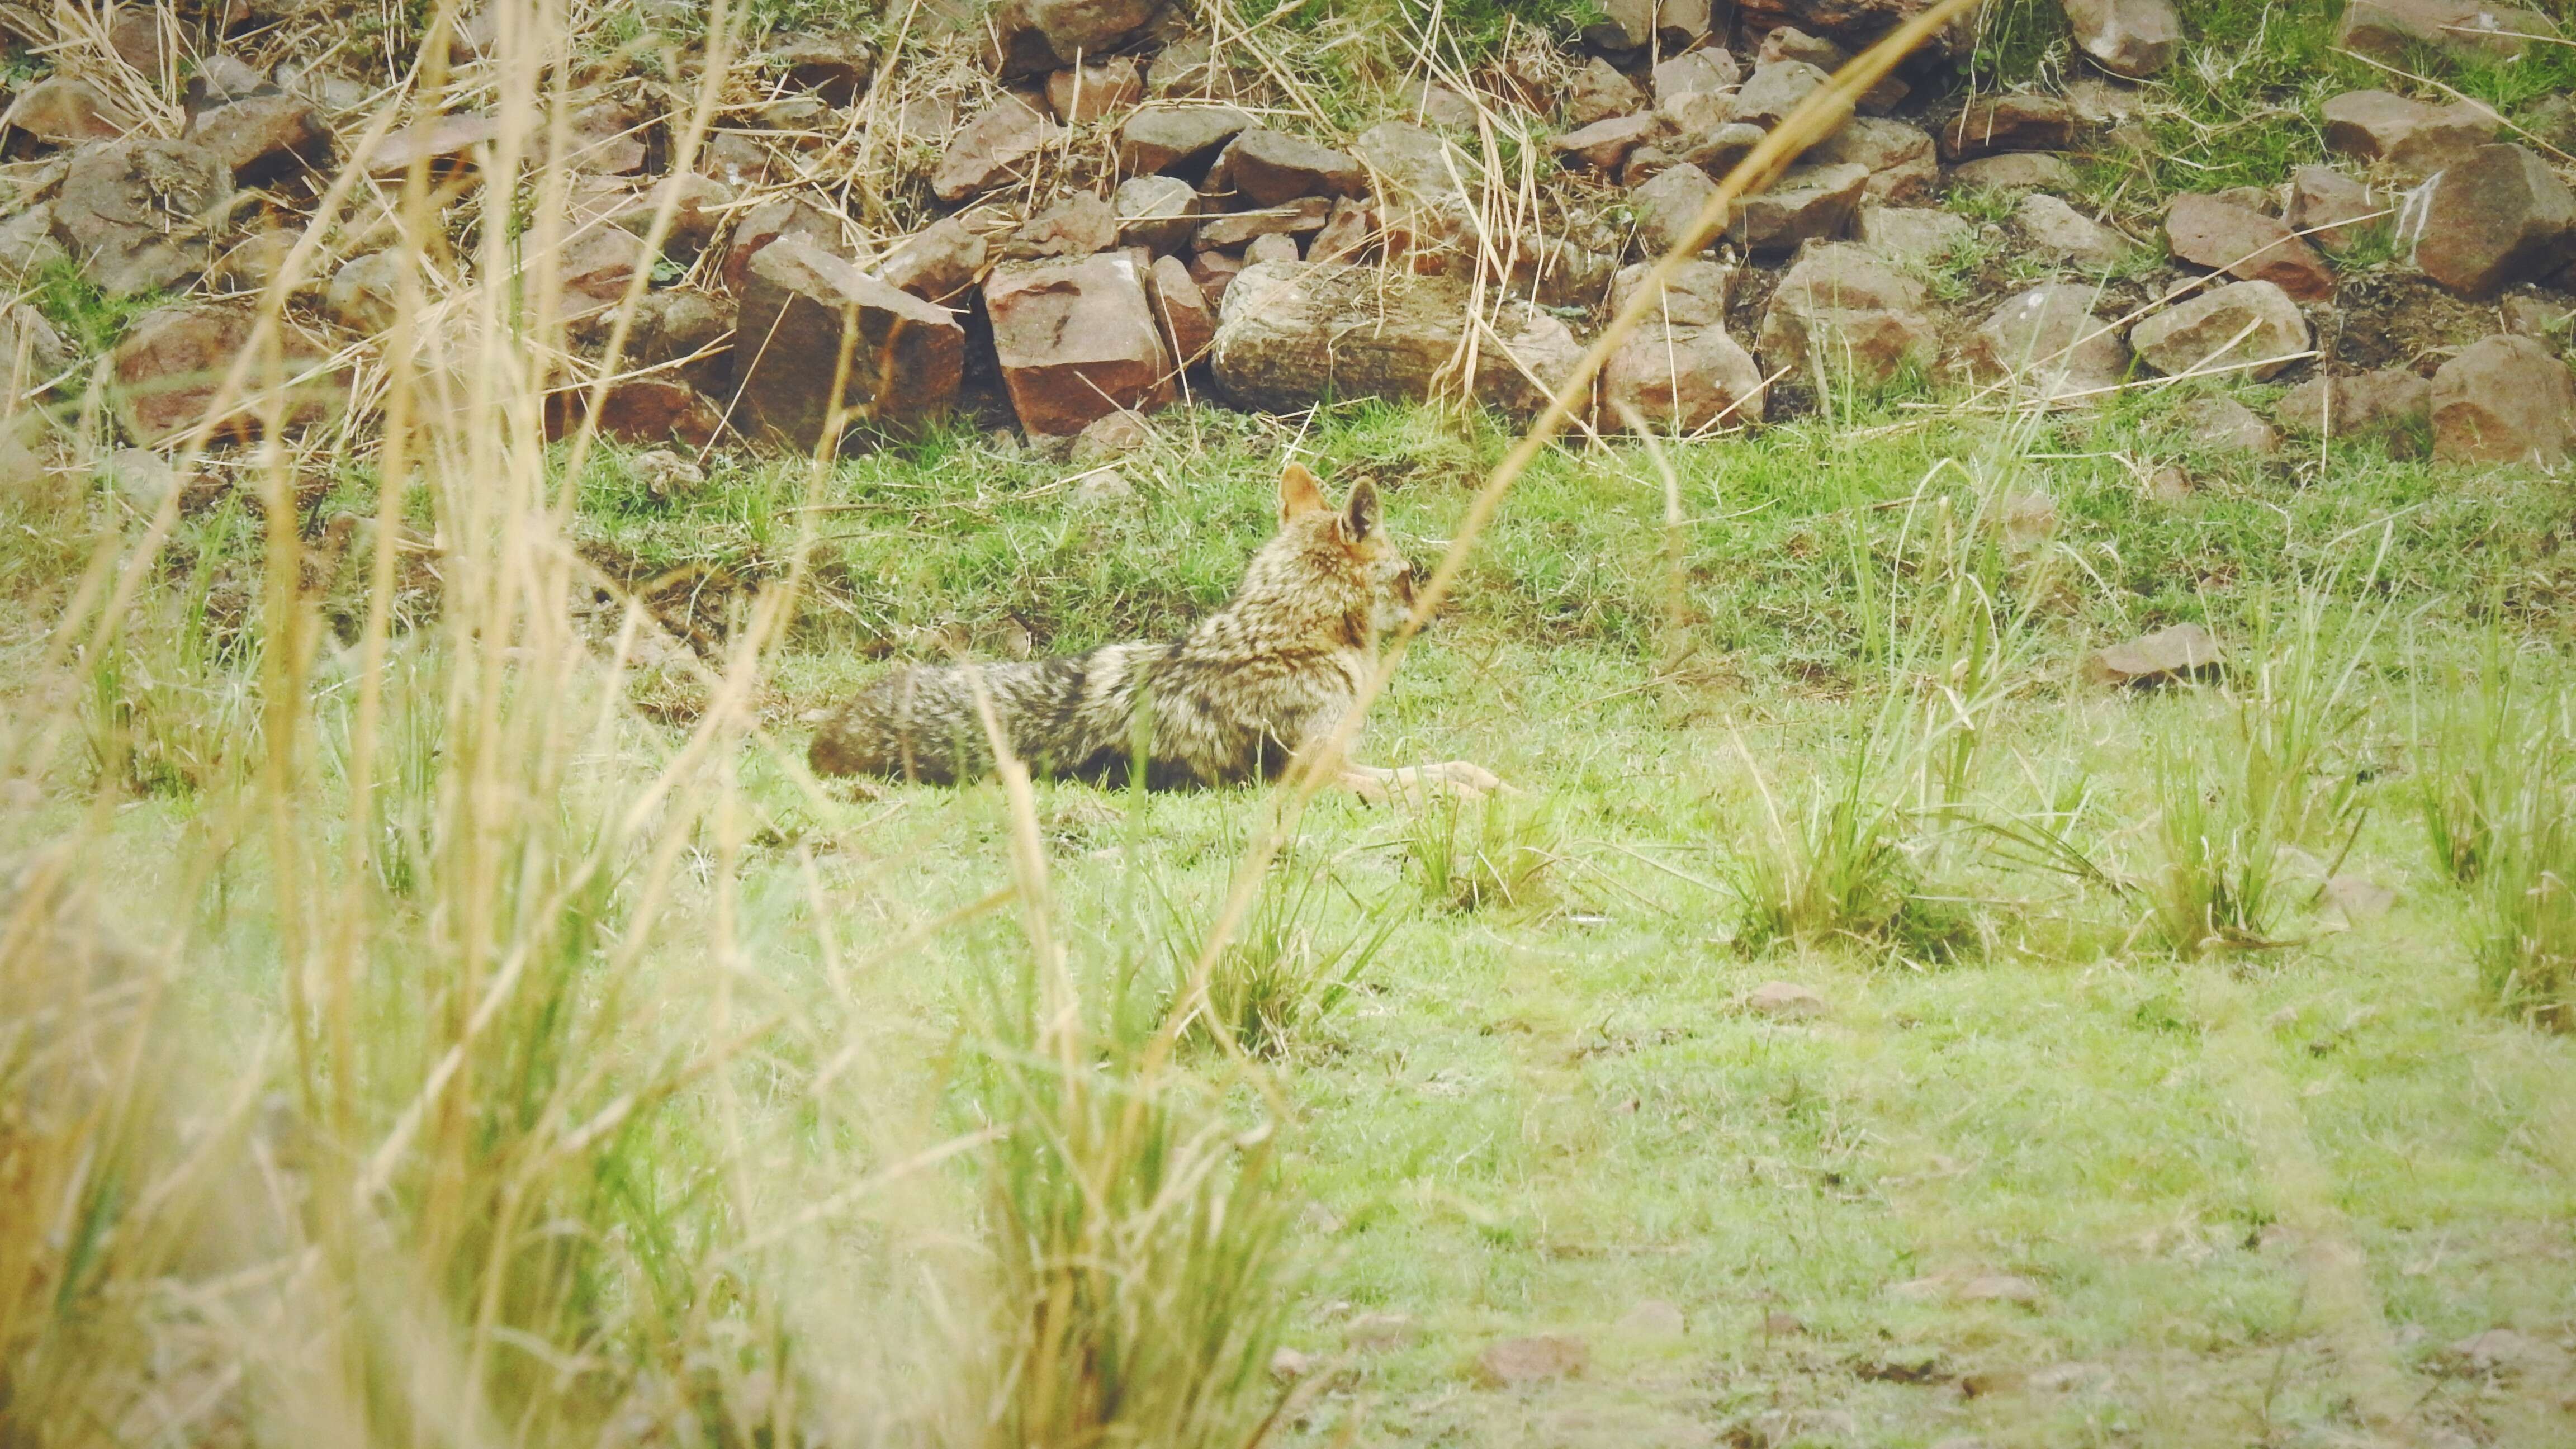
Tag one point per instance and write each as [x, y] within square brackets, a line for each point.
[1232, 700]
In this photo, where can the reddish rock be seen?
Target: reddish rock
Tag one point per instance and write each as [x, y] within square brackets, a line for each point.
[2224, 425]
[66, 111]
[2334, 210]
[2048, 343]
[641, 410]
[937, 264]
[2411, 138]
[1899, 157]
[1669, 205]
[1724, 147]
[1807, 203]
[2133, 38]
[1775, 90]
[1788, 42]
[834, 67]
[1708, 71]
[1074, 225]
[1842, 309]
[1161, 212]
[605, 138]
[140, 215]
[1599, 92]
[439, 139]
[2010, 122]
[2389, 29]
[994, 149]
[1189, 322]
[2210, 233]
[1680, 370]
[1080, 95]
[172, 363]
[1275, 247]
[1602, 145]
[2361, 403]
[1269, 168]
[2498, 218]
[134, 33]
[1911, 233]
[1214, 271]
[2058, 230]
[783, 216]
[2252, 328]
[1293, 334]
[1675, 25]
[1173, 138]
[2504, 400]
[798, 304]
[1076, 340]
[1347, 233]
[264, 138]
[1238, 228]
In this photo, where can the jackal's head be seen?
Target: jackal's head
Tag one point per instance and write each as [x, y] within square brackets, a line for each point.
[1337, 559]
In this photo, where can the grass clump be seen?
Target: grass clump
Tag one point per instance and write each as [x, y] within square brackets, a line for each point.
[1283, 971]
[1493, 854]
[1838, 861]
[2525, 927]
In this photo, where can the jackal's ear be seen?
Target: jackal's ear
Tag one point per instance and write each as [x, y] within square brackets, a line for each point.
[1360, 515]
[1299, 493]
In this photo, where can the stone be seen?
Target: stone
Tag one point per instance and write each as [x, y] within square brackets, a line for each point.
[2224, 425]
[994, 149]
[1173, 138]
[1774, 90]
[1189, 69]
[1109, 436]
[27, 244]
[222, 79]
[1687, 120]
[1900, 159]
[2251, 328]
[1807, 203]
[1680, 370]
[2333, 210]
[1075, 224]
[31, 351]
[1159, 212]
[1515, 1362]
[1668, 206]
[1709, 71]
[2471, 29]
[1910, 233]
[2178, 652]
[1788, 42]
[1723, 148]
[1420, 180]
[2058, 230]
[1839, 308]
[595, 266]
[140, 215]
[1270, 168]
[1786, 999]
[679, 329]
[1272, 247]
[2409, 137]
[1346, 235]
[134, 33]
[2498, 218]
[1602, 145]
[699, 205]
[2248, 198]
[741, 160]
[1655, 1319]
[1675, 25]
[1556, 272]
[907, 356]
[835, 67]
[2016, 171]
[2539, 318]
[63, 110]
[1213, 272]
[2169, 484]
[172, 362]
[1598, 91]
[441, 139]
[938, 263]
[2131, 38]
[364, 293]
[139, 476]
[2210, 233]
[1087, 27]
[2503, 400]
[264, 138]
[1293, 333]
[1188, 322]
[1237, 228]
[1438, 105]
[783, 216]
[1082, 95]
[2008, 122]
[1076, 340]
[2048, 344]
[2368, 402]
[644, 410]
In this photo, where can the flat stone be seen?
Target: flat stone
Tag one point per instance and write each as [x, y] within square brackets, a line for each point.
[994, 149]
[1680, 370]
[2007, 122]
[67, 111]
[907, 356]
[2504, 400]
[1902, 167]
[1807, 203]
[2171, 653]
[2251, 328]
[1515, 1362]
[2208, 232]
[1598, 91]
[2224, 425]
[1075, 341]
[2391, 397]
[1237, 228]
[2470, 29]
[2498, 218]
[1171, 138]
[2334, 210]
[1187, 318]
[1775, 90]
[140, 215]
[2058, 230]
[1082, 95]
[771, 221]
[2131, 38]
[2408, 137]
[1292, 334]
[2048, 344]
[1602, 145]
[1910, 233]
[171, 365]
[1844, 310]
[2016, 171]
[1269, 168]
[1075, 224]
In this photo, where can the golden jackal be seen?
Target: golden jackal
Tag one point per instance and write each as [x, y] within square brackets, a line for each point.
[1234, 699]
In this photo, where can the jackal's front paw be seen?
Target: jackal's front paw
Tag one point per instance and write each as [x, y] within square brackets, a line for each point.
[1419, 783]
